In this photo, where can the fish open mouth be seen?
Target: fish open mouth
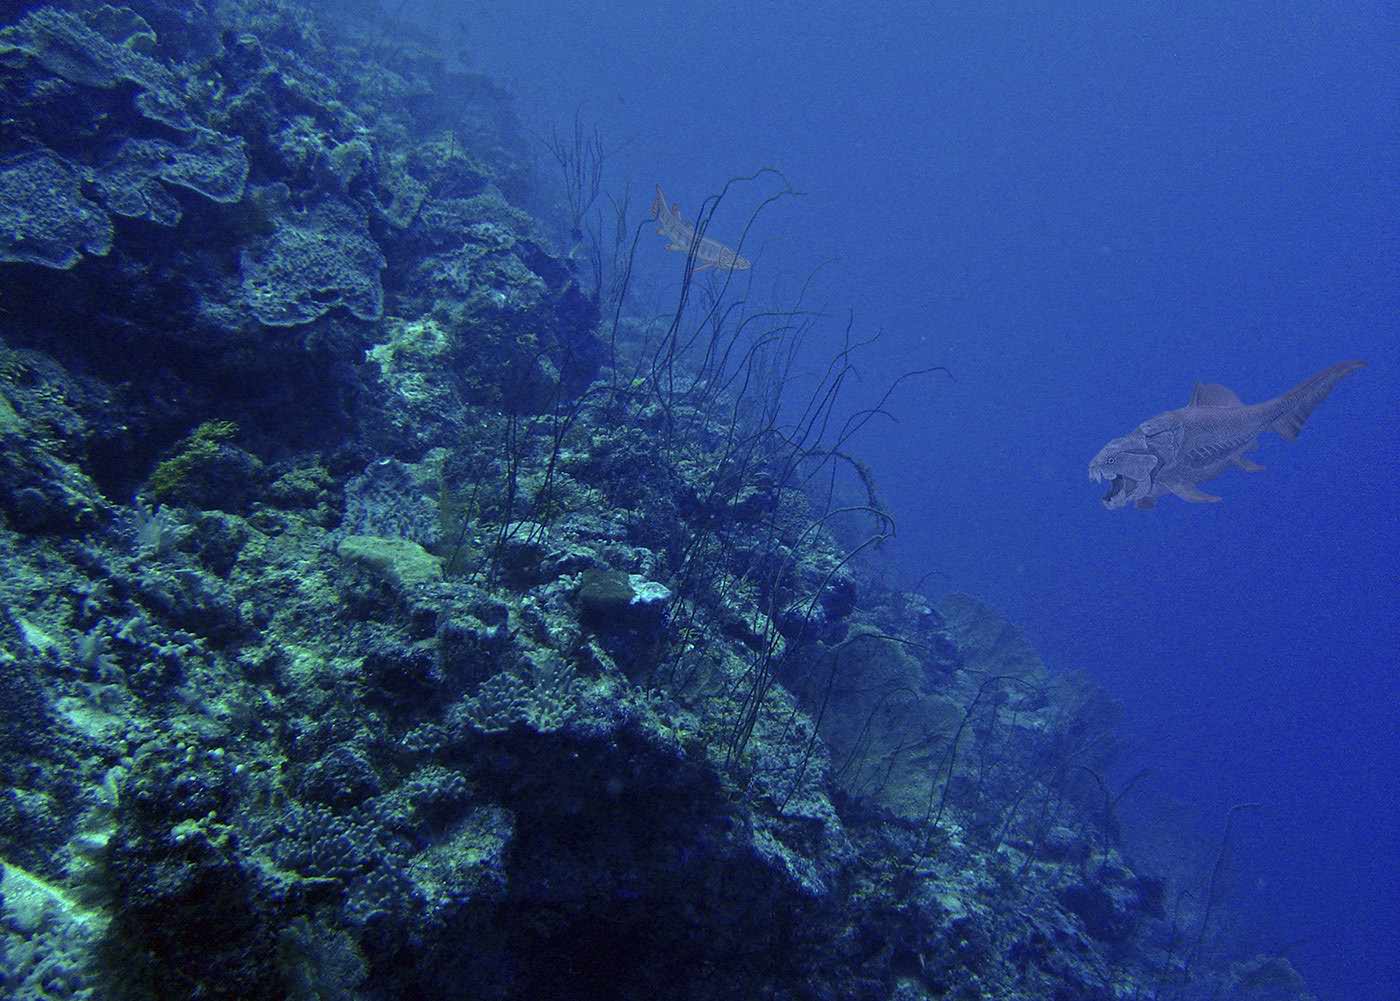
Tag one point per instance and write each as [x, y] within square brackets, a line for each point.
[1117, 488]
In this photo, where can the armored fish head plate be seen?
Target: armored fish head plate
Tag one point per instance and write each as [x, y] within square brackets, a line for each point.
[1128, 465]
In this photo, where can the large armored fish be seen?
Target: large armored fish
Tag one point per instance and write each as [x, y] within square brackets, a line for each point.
[1173, 452]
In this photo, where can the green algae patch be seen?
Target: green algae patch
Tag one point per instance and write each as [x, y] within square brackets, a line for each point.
[401, 563]
[171, 477]
[10, 422]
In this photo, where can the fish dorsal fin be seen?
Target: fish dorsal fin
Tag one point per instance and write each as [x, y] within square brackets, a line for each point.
[1212, 394]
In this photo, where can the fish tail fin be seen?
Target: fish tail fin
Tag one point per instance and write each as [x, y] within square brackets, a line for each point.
[1299, 402]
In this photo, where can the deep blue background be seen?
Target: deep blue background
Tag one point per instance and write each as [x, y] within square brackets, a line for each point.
[1082, 212]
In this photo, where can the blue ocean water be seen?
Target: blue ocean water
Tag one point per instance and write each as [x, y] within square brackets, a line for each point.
[1082, 210]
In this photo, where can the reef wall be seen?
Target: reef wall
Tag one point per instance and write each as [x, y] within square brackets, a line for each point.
[380, 621]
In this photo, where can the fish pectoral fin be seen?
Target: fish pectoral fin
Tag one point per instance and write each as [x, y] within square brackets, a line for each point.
[1248, 465]
[1188, 492]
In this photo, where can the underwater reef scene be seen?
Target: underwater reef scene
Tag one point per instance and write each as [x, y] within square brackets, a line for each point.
[392, 609]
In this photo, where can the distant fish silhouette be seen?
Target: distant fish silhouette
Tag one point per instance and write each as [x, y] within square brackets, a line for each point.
[1174, 451]
[680, 235]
